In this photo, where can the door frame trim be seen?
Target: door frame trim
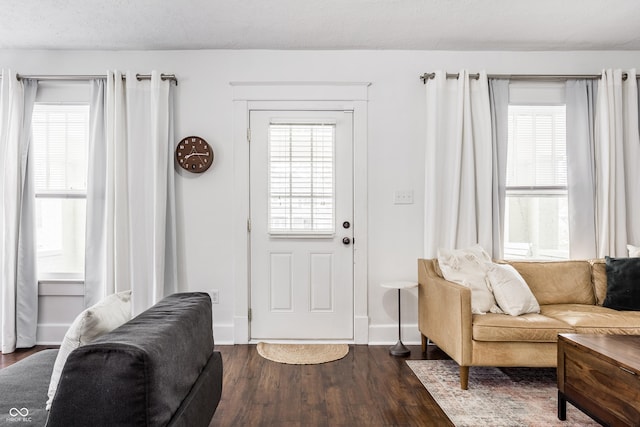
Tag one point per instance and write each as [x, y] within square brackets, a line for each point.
[247, 96]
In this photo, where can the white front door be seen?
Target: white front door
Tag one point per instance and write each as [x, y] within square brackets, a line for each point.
[301, 226]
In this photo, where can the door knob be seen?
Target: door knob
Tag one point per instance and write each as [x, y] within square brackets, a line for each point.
[346, 240]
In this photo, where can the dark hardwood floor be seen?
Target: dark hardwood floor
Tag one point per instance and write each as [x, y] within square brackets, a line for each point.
[20, 353]
[366, 388]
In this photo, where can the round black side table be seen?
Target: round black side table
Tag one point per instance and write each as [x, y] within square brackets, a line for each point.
[399, 349]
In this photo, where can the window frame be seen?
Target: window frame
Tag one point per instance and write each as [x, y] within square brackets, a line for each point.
[534, 94]
[298, 232]
[62, 93]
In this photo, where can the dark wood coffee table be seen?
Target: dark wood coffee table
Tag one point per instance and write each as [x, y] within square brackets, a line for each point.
[600, 375]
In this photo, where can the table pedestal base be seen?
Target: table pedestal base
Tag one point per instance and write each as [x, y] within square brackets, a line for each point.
[399, 350]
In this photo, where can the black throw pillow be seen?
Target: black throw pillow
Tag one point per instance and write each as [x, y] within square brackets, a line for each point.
[623, 283]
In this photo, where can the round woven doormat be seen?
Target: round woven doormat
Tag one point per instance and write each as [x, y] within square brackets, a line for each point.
[302, 354]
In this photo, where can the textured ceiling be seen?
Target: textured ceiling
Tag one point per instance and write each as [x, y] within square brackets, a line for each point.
[321, 24]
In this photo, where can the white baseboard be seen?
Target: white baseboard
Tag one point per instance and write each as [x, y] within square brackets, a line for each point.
[361, 330]
[224, 334]
[51, 333]
[388, 334]
[364, 333]
[240, 333]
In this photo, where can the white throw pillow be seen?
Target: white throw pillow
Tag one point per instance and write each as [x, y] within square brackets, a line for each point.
[468, 267]
[511, 291]
[634, 251]
[105, 316]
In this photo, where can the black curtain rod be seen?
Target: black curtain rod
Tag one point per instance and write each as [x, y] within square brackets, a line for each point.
[548, 77]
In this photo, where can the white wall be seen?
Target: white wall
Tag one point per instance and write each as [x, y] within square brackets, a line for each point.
[395, 157]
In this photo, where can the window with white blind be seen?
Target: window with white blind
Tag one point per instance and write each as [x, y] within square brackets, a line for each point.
[301, 179]
[536, 208]
[59, 144]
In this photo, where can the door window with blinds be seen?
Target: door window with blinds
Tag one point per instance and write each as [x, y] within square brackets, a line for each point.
[301, 178]
[536, 204]
[59, 149]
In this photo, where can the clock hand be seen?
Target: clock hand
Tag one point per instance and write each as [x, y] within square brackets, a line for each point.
[196, 154]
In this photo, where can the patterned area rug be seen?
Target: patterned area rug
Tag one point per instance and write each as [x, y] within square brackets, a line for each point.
[302, 354]
[497, 396]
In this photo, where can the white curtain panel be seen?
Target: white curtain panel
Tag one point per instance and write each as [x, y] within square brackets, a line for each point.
[130, 195]
[98, 277]
[19, 285]
[459, 164]
[617, 154]
[580, 108]
[499, 105]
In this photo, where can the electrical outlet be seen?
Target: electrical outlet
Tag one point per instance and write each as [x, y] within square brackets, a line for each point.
[215, 297]
[403, 197]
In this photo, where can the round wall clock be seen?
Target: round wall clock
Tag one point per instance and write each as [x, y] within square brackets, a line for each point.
[194, 154]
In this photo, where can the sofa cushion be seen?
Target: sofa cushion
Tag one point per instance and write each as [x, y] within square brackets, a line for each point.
[558, 282]
[634, 251]
[599, 279]
[623, 283]
[104, 316]
[511, 291]
[24, 385]
[594, 319]
[531, 327]
[468, 267]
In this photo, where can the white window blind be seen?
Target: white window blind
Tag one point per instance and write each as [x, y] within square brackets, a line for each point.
[301, 178]
[537, 146]
[60, 134]
[536, 208]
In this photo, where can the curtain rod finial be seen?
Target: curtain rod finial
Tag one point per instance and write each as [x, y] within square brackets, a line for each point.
[426, 76]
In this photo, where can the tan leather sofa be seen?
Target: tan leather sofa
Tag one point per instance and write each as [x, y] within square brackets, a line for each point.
[570, 294]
